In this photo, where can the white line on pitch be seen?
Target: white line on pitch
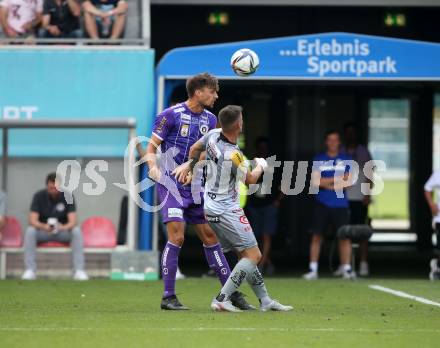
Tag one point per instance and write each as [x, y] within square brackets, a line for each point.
[404, 295]
[230, 329]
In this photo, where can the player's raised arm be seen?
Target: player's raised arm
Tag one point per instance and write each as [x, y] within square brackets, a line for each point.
[248, 177]
[253, 176]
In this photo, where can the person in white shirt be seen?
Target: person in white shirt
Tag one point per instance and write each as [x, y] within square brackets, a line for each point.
[433, 184]
[20, 18]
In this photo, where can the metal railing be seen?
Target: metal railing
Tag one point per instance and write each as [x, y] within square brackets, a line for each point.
[75, 42]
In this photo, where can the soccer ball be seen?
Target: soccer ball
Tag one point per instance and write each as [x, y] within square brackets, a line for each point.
[245, 62]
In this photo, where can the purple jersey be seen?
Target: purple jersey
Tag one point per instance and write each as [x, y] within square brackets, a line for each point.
[180, 128]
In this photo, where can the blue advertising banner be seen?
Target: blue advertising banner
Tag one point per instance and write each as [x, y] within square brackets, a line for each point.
[319, 56]
[79, 83]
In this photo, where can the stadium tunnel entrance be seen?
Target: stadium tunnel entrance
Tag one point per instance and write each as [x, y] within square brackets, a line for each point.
[294, 106]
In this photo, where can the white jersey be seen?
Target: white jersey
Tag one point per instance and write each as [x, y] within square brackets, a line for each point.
[21, 12]
[226, 167]
[433, 184]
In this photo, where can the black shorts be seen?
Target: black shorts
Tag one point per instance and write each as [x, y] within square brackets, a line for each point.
[358, 213]
[325, 217]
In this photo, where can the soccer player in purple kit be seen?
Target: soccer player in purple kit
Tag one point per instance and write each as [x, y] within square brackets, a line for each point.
[181, 126]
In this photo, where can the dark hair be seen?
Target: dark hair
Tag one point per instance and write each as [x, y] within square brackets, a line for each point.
[331, 131]
[200, 81]
[229, 115]
[51, 177]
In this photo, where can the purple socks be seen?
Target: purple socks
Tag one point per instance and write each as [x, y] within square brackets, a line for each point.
[170, 258]
[217, 262]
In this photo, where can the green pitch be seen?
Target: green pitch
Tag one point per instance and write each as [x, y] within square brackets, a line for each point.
[328, 313]
[392, 203]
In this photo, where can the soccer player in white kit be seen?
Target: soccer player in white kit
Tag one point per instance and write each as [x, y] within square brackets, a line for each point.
[225, 167]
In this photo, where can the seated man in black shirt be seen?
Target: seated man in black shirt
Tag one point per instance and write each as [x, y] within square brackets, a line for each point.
[105, 18]
[61, 19]
[52, 219]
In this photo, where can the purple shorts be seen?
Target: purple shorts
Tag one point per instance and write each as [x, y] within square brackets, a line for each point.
[187, 211]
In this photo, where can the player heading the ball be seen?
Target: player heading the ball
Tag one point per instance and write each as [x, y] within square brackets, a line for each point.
[179, 127]
[222, 207]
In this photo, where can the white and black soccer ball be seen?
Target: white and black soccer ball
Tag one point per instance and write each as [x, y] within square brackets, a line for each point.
[245, 62]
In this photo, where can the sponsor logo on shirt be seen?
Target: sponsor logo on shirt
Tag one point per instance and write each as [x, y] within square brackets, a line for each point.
[211, 195]
[213, 151]
[339, 166]
[175, 213]
[177, 110]
[184, 130]
[213, 220]
[161, 124]
[248, 228]
[244, 220]
[185, 118]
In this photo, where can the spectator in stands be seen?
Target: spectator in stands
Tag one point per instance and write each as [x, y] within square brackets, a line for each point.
[61, 19]
[263, 209]
[358, 202]
[433, 184]
[105, 18]
[52, 219]
[2, 212]
[330, 176]
[20, 19]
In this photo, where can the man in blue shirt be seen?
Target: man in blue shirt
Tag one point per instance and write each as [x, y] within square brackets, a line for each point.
[330, 176]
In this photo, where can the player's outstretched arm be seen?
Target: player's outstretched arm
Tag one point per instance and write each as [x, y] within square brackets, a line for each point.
[253, 176]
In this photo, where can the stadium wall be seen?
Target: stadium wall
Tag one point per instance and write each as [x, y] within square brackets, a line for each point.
[59, 83]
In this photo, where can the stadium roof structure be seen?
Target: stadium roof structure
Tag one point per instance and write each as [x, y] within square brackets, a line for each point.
[315, 57]
[326, 56]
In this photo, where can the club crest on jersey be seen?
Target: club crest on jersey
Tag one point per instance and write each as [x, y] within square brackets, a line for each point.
[184, 130]
[204, 129]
